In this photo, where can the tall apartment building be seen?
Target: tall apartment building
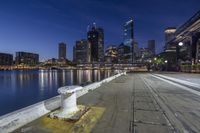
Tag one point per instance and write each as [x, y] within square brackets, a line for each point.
[152, 46]
[95, 37]
[61, 51]
[82, 51]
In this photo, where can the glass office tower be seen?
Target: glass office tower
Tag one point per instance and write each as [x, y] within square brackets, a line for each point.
[128, 41]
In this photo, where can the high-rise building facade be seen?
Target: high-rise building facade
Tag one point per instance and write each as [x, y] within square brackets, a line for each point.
[111, 54]
[169, 35]
[129, 41]
[122, 52]
[151, 46]
[61, 51]
[146, 54]
[6, 59]
[136, 50]
[82, 51]
[101, 44]
[26, 58]
[95, 37]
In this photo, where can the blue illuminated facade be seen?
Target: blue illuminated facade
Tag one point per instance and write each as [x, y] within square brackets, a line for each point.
[128, 41]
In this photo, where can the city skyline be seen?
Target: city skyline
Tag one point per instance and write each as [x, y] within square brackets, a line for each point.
[34, 26]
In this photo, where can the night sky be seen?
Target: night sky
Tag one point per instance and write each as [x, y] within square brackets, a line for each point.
[39, 25]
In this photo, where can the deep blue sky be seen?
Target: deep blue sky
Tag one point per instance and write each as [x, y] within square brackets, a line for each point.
[39, 25]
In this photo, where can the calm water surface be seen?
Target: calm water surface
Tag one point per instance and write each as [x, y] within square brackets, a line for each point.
[19, 89]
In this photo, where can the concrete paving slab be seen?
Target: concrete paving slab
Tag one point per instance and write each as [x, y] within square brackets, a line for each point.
[126, 102]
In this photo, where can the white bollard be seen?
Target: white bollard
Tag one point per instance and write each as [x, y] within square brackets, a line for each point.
[68, 101]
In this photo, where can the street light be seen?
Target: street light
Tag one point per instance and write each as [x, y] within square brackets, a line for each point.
[166, 64]
[180, 44]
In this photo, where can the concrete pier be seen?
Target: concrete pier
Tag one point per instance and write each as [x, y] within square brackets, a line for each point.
[136, 102]
[129, 105]
[19, 118]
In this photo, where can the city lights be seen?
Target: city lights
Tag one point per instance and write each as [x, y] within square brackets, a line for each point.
[87, 66]
[180, 43]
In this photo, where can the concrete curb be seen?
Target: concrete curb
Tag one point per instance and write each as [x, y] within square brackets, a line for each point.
[18, 118]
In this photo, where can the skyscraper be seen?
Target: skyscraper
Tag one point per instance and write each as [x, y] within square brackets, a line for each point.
[95, 37]
[61, 51]
[101, 44]
[128, 41]
[122, 50]
[136, 50]
[169, 35]
[82, 51]
[151, 46]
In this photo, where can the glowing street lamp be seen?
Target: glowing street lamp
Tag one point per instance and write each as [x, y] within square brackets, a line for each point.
[166, 61]
[180, 44]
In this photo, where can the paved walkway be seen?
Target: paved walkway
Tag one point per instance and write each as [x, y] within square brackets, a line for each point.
[128, 107]
[122, 97]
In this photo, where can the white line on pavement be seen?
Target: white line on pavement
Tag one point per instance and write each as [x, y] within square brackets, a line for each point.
[181, 86]
[180, 81]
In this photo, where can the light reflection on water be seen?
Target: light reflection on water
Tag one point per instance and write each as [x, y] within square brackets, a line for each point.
[19, 89]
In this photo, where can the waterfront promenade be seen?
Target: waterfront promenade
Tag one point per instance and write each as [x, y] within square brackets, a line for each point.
[134, 103]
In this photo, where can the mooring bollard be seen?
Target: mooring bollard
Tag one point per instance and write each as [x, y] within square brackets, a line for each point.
[68, 101]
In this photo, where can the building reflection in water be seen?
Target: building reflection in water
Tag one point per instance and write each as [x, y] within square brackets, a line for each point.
[63, 77]
[71, 77]
[19, 89]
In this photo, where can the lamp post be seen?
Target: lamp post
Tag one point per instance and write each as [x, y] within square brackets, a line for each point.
[166, 63]
[154, 63]
[180, 44]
